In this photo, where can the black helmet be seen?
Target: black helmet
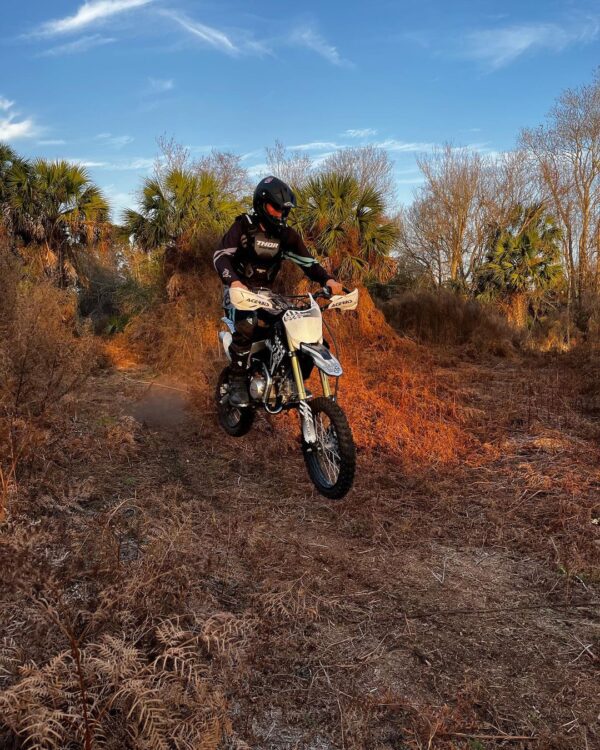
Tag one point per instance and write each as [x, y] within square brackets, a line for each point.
[273, 200]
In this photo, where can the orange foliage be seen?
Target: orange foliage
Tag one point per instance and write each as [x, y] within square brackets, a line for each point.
[393, 401]
[119, 354]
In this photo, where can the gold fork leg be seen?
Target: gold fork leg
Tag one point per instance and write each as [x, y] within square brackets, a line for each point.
[325, 384]
[298, 377]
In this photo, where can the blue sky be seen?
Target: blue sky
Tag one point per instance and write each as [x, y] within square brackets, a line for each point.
[98, 81]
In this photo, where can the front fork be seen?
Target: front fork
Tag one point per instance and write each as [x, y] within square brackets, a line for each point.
[325, 384]
[309, 432]
[299, 380]
[306, 416]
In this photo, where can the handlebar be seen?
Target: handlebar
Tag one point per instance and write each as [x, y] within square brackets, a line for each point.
[326, 292]
[251, 299]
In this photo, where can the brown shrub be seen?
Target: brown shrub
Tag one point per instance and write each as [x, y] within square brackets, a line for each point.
[442, 317]
[131, 676]
[42, 359]
[555, 332]
[181, 336]
[394, 400]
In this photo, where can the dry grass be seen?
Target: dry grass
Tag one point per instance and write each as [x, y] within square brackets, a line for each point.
[168, 587]
[444, 318]
[113, 669]
[43, 359]
[395, 401]
[181, 335]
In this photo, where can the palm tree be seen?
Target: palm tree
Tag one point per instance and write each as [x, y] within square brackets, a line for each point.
[178, 208]
[9, 160]
[523, 260]
[345, 224]
[57, 204]
[181, 214]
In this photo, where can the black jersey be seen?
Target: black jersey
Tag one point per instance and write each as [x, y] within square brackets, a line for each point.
[248, 254]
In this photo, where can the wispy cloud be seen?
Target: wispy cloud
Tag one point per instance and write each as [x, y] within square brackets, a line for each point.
[315, 146]
[119, 199]
[485, 149]
[359, 132]
[322, 158]
[116, 141]
[11, 127]
[207, 34]
[498, 47]
[51, 142]
[141, 163]
[13, 130]
[206, 148]
[252, 154]
[391, 144]
[90, 13]
[311, 39]
[133, 165]
[258, 170]
[408, 170]
[160, 85]
[83, 44]
[86, 162]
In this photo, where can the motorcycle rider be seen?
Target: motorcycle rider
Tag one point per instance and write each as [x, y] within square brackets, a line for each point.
[249, 257]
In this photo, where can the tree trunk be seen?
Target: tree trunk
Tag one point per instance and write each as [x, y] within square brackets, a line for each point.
[571, 267]
[517, 310]
[596, 289]
[583, 270]
[62, 278]
[455, 263]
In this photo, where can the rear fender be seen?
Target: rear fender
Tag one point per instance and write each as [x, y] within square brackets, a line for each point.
[323, 359]
[225, 338]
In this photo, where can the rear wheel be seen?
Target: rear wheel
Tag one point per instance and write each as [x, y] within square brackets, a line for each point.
[233, 420]
[331, 460]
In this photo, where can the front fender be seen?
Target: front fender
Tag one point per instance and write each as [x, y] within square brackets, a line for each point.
[323, 359]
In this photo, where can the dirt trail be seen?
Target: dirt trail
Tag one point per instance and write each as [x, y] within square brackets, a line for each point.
[422, 611]
[164, 404]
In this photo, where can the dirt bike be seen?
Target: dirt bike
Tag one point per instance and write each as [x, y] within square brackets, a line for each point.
[279, 366]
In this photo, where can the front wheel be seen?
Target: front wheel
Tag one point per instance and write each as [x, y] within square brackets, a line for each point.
[331, 460]
[234, 421]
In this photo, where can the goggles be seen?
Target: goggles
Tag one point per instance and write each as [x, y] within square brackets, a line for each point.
[273, 211]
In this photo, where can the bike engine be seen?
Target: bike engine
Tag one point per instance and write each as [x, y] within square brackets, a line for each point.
[257, 386]
[287, 390]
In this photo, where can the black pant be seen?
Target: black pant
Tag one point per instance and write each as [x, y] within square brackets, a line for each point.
[249, 327]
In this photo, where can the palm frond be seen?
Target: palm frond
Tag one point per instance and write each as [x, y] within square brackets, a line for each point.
[345, 221]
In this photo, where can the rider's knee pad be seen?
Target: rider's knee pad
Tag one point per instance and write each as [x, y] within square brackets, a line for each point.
[245, 326]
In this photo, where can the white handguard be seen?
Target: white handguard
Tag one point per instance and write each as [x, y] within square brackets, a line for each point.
[244, 299]
[344, 301]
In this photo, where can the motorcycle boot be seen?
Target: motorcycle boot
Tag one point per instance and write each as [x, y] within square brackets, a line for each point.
[238, 379]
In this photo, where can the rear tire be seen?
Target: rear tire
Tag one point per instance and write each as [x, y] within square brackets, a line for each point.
[330, 462]
[235, 421]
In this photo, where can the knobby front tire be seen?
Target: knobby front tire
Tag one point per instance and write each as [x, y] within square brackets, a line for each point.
[331, 462]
